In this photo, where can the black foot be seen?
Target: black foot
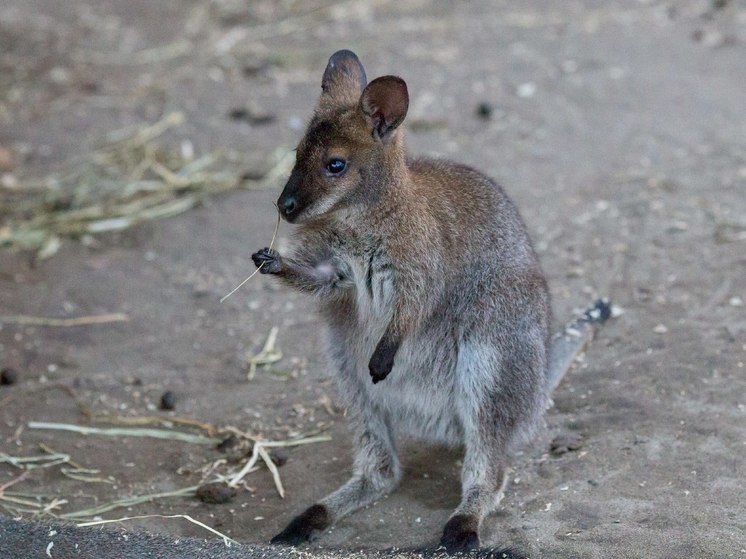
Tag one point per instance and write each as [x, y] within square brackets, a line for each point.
[304, 527]
[460, 534]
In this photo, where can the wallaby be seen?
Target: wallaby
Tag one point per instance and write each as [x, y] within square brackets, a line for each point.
[436, 308]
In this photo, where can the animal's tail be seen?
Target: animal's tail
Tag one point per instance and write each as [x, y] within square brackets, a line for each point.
[566, 345]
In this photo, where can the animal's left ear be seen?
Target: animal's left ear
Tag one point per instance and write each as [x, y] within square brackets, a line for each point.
[343, 81]
[385, 102]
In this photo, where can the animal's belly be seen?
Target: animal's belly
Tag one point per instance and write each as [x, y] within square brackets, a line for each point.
[417, 412]
[419, 395]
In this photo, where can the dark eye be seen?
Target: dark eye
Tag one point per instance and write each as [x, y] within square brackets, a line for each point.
[336, 166]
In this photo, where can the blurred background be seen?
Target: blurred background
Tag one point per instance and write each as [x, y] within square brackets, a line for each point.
[142, 145]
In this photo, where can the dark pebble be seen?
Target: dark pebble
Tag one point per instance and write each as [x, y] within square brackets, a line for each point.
[253, 118]
[279, 456]
[168, 400]
[239, 114]
[484, 110]
[216, 493]
[8, 376]
[227, 443]
[253, 174]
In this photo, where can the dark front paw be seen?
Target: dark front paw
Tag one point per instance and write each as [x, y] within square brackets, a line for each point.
[268, 261]
[304, 527]
[460, 534]
[382, 362]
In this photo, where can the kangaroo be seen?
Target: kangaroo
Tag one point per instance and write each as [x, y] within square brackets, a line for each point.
[437, 310]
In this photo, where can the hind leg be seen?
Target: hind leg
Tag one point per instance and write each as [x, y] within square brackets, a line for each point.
[376, 472]
[482, 481]
[498, 398]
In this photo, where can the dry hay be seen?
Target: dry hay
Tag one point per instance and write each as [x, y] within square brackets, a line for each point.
[134, 178]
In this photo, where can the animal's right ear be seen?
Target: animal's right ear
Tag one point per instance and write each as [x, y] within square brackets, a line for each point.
[384, 103]
[344, 80]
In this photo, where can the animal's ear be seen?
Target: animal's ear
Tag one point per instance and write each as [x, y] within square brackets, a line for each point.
[385, 102]
[344, 80]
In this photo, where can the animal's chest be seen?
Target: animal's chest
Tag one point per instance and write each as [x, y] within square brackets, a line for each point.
[372, 283]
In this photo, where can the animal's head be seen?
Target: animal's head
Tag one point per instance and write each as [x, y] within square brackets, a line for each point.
[351, 146]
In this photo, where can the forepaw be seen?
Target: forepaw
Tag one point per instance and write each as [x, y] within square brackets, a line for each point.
[382, 361]
[268, 261]
[380, 366]
[460, 534]
[305, 527]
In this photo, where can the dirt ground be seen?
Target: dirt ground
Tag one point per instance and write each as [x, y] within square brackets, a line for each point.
[619, 128]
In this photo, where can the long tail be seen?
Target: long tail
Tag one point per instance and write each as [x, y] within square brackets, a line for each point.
[572, 340]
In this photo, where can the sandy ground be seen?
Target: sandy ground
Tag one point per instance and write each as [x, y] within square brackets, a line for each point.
[618, 128]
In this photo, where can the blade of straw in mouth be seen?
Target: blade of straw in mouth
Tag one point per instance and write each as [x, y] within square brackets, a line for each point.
[271, 244]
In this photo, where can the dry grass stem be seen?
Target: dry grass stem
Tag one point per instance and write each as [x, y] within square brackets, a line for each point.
[33, 462]
[125, 432]
[129, 502]
[49, 450]
[12, 482]
[266, 356]
[236, 479]
[85, 475]
[272, 468]
[226, 540]
[210, 429]
[297, 442]
[26, 320]
[259, 451]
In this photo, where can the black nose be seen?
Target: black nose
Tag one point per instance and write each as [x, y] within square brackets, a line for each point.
[287, 206]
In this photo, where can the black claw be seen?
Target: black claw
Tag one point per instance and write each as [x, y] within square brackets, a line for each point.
[268, 260]
[304, 527]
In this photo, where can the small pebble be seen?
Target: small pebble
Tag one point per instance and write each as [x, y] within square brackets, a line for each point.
[279, 456]
[526, 90]
[256, 118]
[484, 110]
[168, 400]
[216, 493]
[238, 114]
[8, 376]
[227, 443]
